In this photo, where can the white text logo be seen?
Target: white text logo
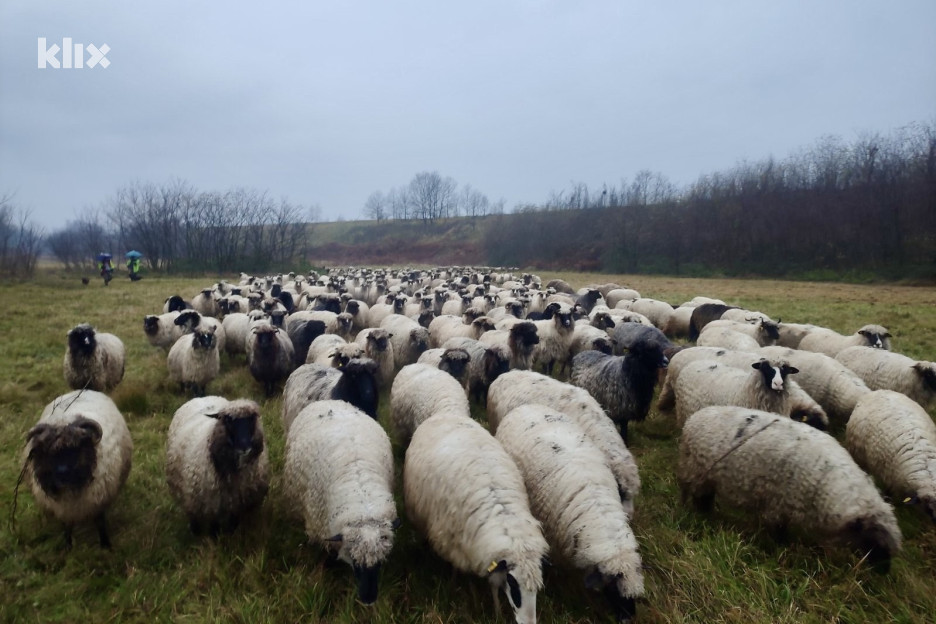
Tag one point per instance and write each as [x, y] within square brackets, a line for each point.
[73, 55]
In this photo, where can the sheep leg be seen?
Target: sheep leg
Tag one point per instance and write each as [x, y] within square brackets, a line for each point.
[624, 431]
[101, 523]
[194, 527]
[68, 537]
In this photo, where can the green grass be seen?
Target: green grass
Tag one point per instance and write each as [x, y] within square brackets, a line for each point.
[720, 567]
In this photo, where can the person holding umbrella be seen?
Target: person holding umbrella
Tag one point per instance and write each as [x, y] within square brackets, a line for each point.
[107, 269]
[133, 265]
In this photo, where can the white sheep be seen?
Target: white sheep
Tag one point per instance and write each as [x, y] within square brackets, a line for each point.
[831, 342]
[352, 382]
[190, 320]
[763, 331]
[161, 330]
[573, 493]
[832, 384]
[454, 361]
[617, 295]
[786, 473]
[217, 466]
[93, 360]
[205, 303]
[706, 382]
[660, 313]
[803, 407]
[727, 338]
[420, 391]
[886, 370]
[791, 334]
[77, 458]
[444, 327]
[893, 438]
[516, 388]
[338, 475]
[193, 360]
[521, 340]
[324, 347]
[237, 326]
[465, 494]
[409, 339]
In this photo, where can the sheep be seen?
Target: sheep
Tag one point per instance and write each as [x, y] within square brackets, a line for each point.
[764, 331]
[324, 348]
[455, 362]
[573, 493]
[193, 360]
[622, 385]
[237, 326]
[338, 475]
[833, 385]
[727, 338]
[659, 312]
[706, 382]
[518, 387]
[408, 338]
[205, 303]
[791, 334]
[270, 356]
[377, 346]
[787, 474]
[803, 407]
[161, 330]
[466, 496]
[359, 314]
[93, 360]
[555, 337]
[303, 330]
[444, 327]
[886, 370]
[894, 439]
[77, 458]
[175, 303]
[560, 286]
[588, 338]
[354, 383]
[614, 296]
[190, 320]
[486, 363]
[627, 334]
[521, 340]
[217, 466]
[419, 392]
[830, 342]
[703, 314]
[588, 299]
[678, 326]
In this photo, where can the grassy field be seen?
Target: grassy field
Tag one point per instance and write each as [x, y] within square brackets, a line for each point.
[721, 567]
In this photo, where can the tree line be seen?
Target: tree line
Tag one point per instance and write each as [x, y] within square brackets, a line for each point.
[179, 228]
[429, 197]
[867, 206]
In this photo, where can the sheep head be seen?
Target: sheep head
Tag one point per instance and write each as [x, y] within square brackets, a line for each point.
[81, 340]
[617, 589]
[63, 457]
[774, 374]
[237, 438]
[150, 325]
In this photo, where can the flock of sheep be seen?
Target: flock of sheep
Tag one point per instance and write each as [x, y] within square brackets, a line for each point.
[559, 372]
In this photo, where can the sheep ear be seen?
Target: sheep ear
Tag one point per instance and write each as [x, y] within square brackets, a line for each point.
[789, 370]
[91, 427]
[514, 590]
[37, 431]
[595, 580]
[336, 538]
[215, 415]
[497, 566]
[396, 524]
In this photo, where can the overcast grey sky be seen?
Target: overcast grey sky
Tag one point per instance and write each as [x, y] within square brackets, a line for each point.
[326, 102]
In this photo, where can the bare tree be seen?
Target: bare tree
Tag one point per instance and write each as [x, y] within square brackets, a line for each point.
[432, 196]
[376, 206]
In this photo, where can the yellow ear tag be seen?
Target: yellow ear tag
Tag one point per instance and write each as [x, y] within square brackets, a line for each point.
[908, 499]
[492, 567]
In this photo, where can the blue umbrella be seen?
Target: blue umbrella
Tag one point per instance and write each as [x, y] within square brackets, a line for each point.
[133, 254]
[103, 256]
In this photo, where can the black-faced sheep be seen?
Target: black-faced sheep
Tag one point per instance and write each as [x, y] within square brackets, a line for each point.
[830, 342]
[521, 340]
[465, 494]
[486, 363]
[216, 462]
[377, 346]
[339, 476]
[161, 330]
[354, 383]
[420, 391]
[270, 356]
[455, 362]
[408, 338]
[193, 360]
[787, 474]
[190, 320]
[77, 459]
[93, 360]
[704, 314]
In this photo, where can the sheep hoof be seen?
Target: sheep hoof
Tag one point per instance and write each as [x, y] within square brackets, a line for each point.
[101, 524]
